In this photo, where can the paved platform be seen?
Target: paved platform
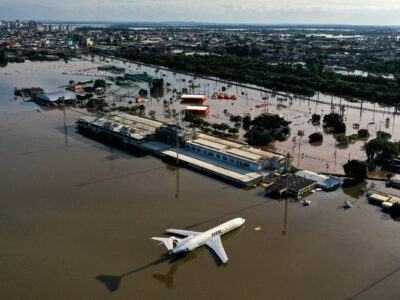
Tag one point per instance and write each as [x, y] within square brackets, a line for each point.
[237, 175]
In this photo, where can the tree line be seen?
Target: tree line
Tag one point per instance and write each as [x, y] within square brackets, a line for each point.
[282, 76]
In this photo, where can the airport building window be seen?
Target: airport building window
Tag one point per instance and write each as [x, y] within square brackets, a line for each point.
[224, 158]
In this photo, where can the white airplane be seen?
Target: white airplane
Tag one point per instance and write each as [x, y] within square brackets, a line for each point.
[194, 239]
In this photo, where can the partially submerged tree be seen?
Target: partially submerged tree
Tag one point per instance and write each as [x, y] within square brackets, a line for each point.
[356, 169]
[363, 133]
[316, 137]
[316, 118]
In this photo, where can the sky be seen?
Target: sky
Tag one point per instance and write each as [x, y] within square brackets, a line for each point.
[352, 12]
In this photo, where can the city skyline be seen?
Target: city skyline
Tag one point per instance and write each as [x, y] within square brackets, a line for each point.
[351, 12]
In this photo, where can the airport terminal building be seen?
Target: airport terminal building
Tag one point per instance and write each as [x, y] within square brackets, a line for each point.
[231, 160]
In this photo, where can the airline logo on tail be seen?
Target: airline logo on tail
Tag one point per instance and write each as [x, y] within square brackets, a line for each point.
[174, 243]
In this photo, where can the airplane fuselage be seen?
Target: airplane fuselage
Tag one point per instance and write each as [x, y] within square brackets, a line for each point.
[192, 242]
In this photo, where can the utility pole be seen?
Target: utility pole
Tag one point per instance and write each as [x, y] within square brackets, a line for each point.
[177, 183]
[287, 164]
[177, 145]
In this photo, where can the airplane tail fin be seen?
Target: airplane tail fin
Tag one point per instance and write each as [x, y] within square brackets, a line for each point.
[170, 242]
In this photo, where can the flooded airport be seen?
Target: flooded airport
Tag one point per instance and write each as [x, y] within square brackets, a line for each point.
[77, 215]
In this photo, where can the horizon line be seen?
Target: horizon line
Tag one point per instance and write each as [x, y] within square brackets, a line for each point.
[175, 22]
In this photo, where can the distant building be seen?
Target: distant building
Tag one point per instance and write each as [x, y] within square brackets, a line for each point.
[194, 98]
[198, 109]
[52, 99]
[324, 182]
[76, 87]
[394, 183]
[87, 42]
[236, 154]
[231, 160]
[168, 134]
[293, 185]
[113, 69]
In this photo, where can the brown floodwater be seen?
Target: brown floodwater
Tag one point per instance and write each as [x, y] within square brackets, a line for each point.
[76, 217]
[323, 157]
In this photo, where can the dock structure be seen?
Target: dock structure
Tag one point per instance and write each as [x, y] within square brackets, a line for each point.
[232, 161]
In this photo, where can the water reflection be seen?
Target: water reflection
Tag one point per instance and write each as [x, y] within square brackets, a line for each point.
[356, 191]
[374, 284]
[285, 218]
[112, 282]
[141, 172]
[168, 279]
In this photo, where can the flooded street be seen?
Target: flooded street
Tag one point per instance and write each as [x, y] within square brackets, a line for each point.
[76, 217]
[325, 157]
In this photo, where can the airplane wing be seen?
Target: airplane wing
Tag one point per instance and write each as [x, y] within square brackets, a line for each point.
[216, 244]
[182, 232]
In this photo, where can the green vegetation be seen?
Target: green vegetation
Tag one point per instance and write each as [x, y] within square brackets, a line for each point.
[280, 77]
[342, 140]
[339, 128]
[394, 211]
[100, 83]
[392, 67]
[84, 97]
[98, 104]
[363, 133]
[383, 135]
[244, 51]
[193, 118]
[353, 137]
[345, 140]
[157, 88]
[3, 58]
[152, 114]
[257, 137]
[379, 149]
[131, 109]
[246, 122]
[236, 119]
[316, 118]
[233, 131]
[356, 169]
[268, 121]
[316, 137]
[265, 129]
[223, 127]
[336, 121]
[197, 121]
